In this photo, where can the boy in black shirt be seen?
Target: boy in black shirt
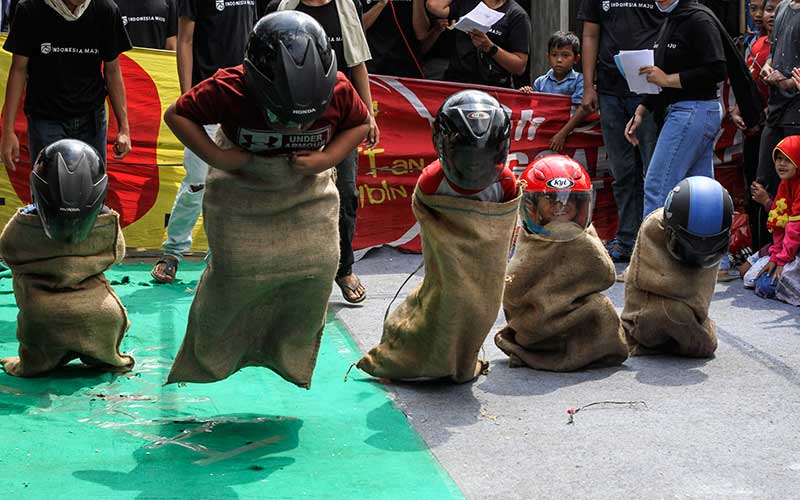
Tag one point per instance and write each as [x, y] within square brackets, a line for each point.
[394, 47]
[65, 57]
[150, 23]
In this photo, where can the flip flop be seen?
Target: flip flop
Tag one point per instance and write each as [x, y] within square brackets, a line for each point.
[170, 269]
[353, 289]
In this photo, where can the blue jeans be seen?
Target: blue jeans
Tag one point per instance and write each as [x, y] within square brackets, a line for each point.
[685, 148]
[628, 166]
[89, 128]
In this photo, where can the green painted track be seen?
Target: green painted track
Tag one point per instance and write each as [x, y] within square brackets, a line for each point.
[80, 434]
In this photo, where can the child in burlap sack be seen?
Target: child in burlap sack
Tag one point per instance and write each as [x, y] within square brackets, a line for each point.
[270, 207]
[466, 204]
[557, 318]
[673, 271]
[58, 249]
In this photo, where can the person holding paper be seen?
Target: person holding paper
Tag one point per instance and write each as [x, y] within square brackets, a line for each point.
[689, 65]
[493, 54]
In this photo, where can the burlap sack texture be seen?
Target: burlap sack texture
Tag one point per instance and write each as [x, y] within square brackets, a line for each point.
[557, 318]
[437, 332]
[666, 302]
[67, 308]
[273, 236]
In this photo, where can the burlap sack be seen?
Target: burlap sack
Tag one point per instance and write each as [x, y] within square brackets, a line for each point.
[440, 327]
[274, 242]
[67, 308]
[666, 302]
[557, 318]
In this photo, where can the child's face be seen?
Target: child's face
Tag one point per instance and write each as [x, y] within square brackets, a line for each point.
[756, 12]
[551, 210]
[561, 60]
[768, 15]
[784, 166]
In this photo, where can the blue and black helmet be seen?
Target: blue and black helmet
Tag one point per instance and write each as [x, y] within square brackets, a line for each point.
[698, 214]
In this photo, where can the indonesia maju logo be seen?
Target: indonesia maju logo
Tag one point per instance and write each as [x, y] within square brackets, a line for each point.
[46, 48]
[220, 5]
[560, 183]
[606, 5]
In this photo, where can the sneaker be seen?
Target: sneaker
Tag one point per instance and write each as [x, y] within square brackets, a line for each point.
[725, 275]
[618, 251]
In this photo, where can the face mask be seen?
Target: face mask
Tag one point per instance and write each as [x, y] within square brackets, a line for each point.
[668, 9]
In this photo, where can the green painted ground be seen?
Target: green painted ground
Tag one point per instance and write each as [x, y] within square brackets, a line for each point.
[84, 435]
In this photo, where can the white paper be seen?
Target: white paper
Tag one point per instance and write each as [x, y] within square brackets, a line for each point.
[631, 61]
[481, 18]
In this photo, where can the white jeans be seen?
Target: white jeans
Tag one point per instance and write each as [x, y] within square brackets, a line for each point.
[188, 202]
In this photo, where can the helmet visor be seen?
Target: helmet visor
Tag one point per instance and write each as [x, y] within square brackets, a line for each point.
[700, 251]
[539, 210]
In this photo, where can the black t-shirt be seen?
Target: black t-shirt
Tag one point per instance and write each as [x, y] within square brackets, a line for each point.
[328, 16]
[511, 33]
[390, 54]
[784, 105]
[624, 25]
[65, 78]
[694, 50]
[149, 22]
[220, 33]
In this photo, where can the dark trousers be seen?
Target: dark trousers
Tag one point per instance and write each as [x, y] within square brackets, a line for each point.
[89, 128]
[756, 215]
[346, 173]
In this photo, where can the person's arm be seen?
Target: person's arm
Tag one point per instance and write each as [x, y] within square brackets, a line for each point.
[116, 94]
[15, 86]
[372, 14]
[360, 79]
[171, 43]
[419, 20]
[435, 32]
[558, 140]
[345, 141]
[513, 62]
[194, 137]
[183, 53]
[439, 8]
[591, 44]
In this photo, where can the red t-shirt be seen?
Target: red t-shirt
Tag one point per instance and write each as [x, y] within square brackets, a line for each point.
[759, 52]
[433, 181]
[223, 99]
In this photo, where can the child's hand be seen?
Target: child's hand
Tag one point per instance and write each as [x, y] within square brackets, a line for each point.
[232, 159]
[759, 194]
[769, 269]
[796, 77]
[557, 142]
[527, 89]
[736, 117]
[310, 162]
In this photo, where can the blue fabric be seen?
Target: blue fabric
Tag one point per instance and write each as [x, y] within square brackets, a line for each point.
[628, 163]
[705, 207]
[29, 209]
[764, 287]
[668, 9]
[685, 148]
[571, 85]
[90, 128]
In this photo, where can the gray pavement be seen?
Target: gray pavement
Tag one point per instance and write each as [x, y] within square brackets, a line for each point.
[724, 428]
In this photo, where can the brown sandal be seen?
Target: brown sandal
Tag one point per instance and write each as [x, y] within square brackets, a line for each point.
[169, 269]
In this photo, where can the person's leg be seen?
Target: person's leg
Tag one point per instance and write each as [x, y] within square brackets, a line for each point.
[43, 132]
[709, 117]
[648, 136]
[346, 173]
[754, 209]
[91, 129]
[685, 140]
[624, 168]
[185, 212]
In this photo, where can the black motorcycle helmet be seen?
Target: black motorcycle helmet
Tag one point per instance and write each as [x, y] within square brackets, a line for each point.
[698, 214]
[68, 187]
[290, 68]
[472, 134]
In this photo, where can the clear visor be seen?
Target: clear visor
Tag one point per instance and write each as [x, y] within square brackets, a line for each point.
[539, 210]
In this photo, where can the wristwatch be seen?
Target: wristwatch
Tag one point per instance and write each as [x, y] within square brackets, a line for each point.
[492, 51]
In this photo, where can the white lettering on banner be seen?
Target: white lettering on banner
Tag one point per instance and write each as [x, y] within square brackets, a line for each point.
[527, 119]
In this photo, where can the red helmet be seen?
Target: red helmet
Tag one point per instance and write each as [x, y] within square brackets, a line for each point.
[557, 189]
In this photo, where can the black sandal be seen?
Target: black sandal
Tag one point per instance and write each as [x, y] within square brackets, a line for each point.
[170, 269]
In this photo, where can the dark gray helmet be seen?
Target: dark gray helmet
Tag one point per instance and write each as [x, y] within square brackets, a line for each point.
[290, 68]
[68, 187]
[472, 134]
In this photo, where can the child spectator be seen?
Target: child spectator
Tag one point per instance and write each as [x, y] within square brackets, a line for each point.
[563, 52]
[777, 275]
